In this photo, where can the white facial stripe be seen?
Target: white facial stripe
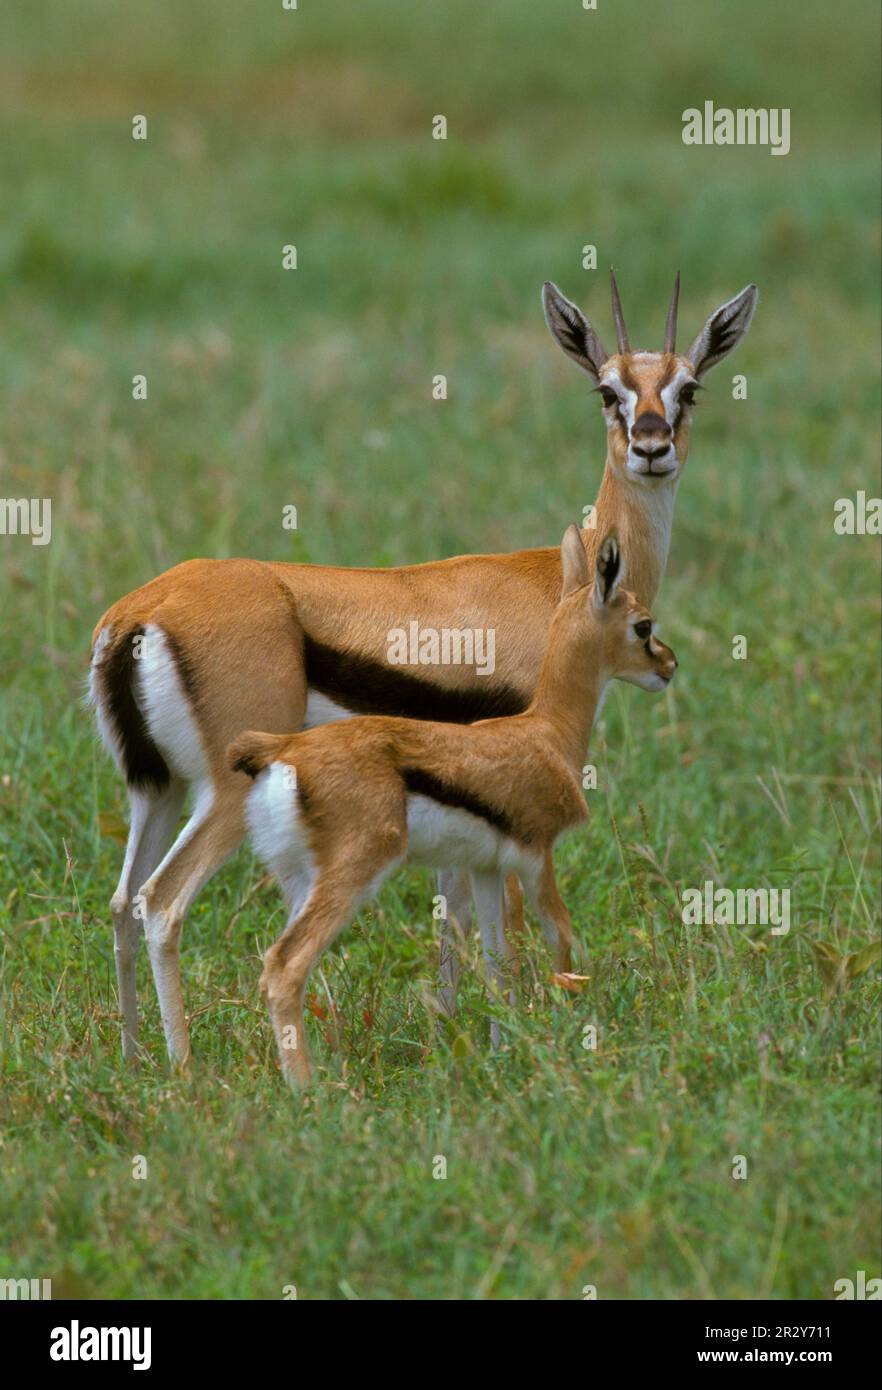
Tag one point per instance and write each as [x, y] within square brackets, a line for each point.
[670, 394]
[627, 399]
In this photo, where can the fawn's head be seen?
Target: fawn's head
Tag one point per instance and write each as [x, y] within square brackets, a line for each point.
[620, 630]
[648, 397]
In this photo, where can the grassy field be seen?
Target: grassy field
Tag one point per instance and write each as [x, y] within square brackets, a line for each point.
[565, 1167]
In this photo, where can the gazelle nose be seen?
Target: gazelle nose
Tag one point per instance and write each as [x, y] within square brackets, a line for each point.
[651, 435]
[650, 423]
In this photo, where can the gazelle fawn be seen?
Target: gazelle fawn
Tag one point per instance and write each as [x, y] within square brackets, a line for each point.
[335, 809]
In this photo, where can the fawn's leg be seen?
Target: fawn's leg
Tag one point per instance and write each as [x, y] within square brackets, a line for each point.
[152, 825]
[553, 914]
[455, 886]
[356, 842]
[287, 964]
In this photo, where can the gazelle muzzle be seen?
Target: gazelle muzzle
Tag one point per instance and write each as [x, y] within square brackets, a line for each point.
[650, 443]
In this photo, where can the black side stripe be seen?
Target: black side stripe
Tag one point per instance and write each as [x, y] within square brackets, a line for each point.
[371, 687]
[426, 784]
[143, 764]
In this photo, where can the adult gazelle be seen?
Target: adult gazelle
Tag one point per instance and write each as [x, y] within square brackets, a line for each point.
[213, 647]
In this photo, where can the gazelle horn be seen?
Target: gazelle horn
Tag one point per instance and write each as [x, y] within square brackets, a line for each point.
[618, 318]
[671, 325]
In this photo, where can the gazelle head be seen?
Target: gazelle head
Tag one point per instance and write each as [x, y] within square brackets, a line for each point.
[648, 397]
[624, 646]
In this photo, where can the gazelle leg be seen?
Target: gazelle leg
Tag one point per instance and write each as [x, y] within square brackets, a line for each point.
[490, 911]
[153, 820]
[515, 928]
[287, 964]
[554, 915]
[455, 886]
[208, 838]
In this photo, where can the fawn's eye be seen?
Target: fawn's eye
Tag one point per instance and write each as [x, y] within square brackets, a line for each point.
[643, 629]
[608, 396]
[687, 395]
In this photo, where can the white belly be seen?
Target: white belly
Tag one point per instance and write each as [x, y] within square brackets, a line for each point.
[321, 710]
[443, 837]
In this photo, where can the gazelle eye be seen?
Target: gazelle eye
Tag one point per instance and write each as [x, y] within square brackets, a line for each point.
[608, 396]
[687, 395]
[643, 629]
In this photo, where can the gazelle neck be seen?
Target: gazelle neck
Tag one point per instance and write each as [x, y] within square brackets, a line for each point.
[570, 684]
[642, 516]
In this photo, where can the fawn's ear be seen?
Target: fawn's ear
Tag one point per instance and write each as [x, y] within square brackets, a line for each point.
[608, 570]
[572, 331]
[573, 561]
[723, 331]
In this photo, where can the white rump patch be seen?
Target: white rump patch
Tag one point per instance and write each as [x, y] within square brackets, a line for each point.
[166, 709]
[278, 832]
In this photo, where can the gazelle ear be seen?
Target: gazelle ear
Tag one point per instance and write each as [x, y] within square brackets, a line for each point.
[608, 570]
[574, 561]
[572, 330]
[723, 331]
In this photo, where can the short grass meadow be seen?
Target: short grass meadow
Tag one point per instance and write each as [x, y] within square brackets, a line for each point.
[566, 1167]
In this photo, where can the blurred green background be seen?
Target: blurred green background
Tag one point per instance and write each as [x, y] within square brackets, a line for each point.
[313, 387]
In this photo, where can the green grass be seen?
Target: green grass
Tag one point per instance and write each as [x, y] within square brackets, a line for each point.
[565, 1167]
